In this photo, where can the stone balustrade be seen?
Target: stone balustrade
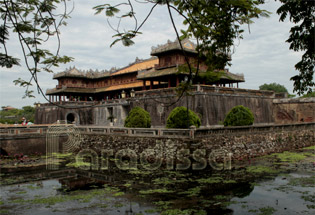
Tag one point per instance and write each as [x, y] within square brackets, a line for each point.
[14, 131]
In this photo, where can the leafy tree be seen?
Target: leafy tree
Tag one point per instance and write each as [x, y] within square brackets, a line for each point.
[308, 95]
[15, 115]
[278, 88]
[34, 22]
[215, 24]
[138, 118]
[178, 118]
[302, 38]
[239, 116]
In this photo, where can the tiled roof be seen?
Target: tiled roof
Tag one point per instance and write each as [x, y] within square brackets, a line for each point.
[172, 46]
[74, 72]
[138, 66]
[122, 86]
[134, 67]
[158, 73]
[98, 90]
[174, 70]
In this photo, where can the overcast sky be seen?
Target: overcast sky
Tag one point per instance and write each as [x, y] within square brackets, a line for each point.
[262, 56]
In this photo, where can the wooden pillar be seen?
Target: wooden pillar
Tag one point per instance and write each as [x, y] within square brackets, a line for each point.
[177, 81]
[151, 84]
[144, 86]
[70, 98]
[169, 82]
[59, 98]
[237, 84]
[50, 98]
[159, 84]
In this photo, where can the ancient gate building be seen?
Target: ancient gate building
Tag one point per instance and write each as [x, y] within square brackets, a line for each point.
[105, 97]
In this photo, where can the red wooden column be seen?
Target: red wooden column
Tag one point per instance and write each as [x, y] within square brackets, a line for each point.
[151, 84]
[169, 82]
[177, 81]
[59, 97]
[144, 87]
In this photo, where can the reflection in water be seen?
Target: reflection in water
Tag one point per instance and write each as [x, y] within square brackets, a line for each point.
[75, 191]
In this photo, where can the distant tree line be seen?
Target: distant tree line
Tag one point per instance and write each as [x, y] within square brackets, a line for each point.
[12, 116]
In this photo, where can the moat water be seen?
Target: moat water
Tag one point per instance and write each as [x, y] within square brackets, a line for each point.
[268, 185]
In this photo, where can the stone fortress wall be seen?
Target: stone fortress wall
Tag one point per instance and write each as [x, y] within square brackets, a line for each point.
[211, 103]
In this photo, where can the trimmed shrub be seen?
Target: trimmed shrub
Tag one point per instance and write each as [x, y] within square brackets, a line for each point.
[239, 116]
[138, 118]
[178, 118]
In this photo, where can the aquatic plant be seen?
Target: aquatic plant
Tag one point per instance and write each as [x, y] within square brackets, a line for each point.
[267, 210]
[260, 169]
[151, 191]
[290, 157]
[191, 192]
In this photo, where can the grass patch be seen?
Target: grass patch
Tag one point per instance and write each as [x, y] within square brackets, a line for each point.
[168, 181]
[260, 170]
[310, 147]
[266, 211]
[290, 157]
[163, 205]
[62, 155]
[152, 191]
[309, 198]
[150, 211]
[78, 164]
[192, 192]
[118, 194]
[211, 180]
[118, 205]
[303, 182]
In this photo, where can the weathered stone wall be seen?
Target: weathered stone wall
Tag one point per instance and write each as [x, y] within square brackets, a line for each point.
[211, 103]
[211, 106]
[239, 145]
[237, 142]
[294, 110]
[84, 113]
[25, 145]
[50, 114]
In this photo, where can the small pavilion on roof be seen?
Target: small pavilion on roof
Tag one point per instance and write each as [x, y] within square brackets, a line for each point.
[162, 70]
[172, 57]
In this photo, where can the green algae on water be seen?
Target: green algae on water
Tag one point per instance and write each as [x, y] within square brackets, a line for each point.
[260, 170]
[290, 157]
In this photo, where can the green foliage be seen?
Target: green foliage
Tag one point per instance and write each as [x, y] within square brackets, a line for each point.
[302, 38]
[33, 22]
[210, 77]
[138, 118]
[260, 170]
[278, 88]
[308, 95]
[239, 116]
[221, 23]
[15, 115]
[178, 118]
